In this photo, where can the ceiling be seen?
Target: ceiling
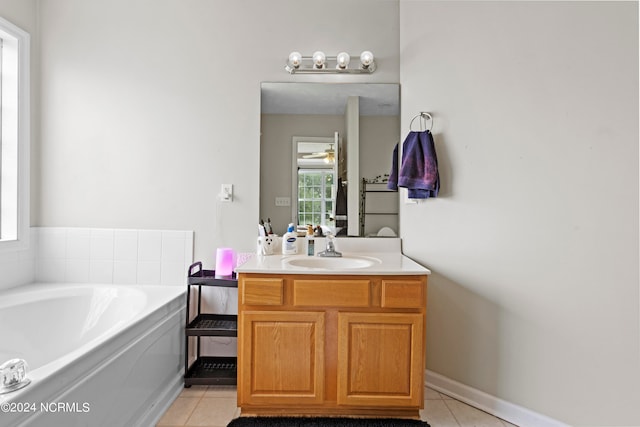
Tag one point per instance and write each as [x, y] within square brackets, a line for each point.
[376, 99]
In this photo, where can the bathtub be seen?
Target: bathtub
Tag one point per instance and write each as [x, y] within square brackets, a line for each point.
[98, 355]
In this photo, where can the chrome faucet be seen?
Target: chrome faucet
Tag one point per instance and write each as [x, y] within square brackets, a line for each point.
[330, 251]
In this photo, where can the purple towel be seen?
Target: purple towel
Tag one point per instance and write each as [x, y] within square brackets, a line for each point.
[419, 168]
[392, 184]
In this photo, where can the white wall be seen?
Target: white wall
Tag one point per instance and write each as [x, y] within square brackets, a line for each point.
[149, 106]
[534, 239]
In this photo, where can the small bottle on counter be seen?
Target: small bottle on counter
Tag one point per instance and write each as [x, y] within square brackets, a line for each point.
[311, 243]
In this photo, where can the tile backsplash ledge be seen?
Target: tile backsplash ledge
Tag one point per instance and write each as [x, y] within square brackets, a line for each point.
[99, 255]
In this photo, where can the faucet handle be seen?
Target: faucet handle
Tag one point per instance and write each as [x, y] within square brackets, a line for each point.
[13, 375]
[330, 239]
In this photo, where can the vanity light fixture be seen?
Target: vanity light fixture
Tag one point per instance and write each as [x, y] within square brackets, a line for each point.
[366, 58]
[319, 59]
[320, 63]
[342, 60]
[295, 59]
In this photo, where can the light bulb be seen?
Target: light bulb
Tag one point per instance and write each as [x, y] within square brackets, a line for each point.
[343, 60]
[366, 58]
[318, 59]
[295, 59]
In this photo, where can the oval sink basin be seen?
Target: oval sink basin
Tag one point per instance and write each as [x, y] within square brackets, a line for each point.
[341, 263]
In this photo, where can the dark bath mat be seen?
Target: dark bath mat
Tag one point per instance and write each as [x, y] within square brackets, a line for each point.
[324, 422]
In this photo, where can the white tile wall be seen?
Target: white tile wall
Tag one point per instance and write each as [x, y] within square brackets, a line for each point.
[93, 255]
[18, 268]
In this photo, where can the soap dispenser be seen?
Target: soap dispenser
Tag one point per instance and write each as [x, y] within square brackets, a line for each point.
[289, 241]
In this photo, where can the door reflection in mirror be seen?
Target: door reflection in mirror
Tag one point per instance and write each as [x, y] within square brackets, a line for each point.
[315, 179]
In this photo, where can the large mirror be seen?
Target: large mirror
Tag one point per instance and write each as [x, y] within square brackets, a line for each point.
[325, 152]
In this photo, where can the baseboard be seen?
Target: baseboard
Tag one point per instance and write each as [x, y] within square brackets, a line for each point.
[495, 406]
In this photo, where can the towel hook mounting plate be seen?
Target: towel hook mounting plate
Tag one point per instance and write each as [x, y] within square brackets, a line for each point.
[424, 116]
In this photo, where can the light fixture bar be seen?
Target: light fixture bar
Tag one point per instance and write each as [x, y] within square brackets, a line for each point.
[339, 64]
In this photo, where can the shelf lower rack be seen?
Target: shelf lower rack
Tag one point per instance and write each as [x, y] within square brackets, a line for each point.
[220, 325]
[212, 371]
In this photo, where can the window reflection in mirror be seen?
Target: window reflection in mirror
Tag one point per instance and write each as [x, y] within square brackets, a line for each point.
[315, 180]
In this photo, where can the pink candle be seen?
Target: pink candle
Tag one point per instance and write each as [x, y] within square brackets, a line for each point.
[225, 262]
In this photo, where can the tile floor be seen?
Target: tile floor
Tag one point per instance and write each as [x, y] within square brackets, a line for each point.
[215, 406]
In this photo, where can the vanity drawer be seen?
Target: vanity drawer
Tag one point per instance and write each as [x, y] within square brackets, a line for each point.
[400, 293]
[262, 291]
[335, 293]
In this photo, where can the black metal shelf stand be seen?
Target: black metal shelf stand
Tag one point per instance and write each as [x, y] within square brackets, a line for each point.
[208, 370]
[363, 202]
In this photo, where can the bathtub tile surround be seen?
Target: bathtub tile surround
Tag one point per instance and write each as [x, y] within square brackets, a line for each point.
[119, 256]
[18, 267]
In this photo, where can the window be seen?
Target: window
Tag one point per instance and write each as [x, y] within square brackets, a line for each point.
[14, 136]
[315, 197]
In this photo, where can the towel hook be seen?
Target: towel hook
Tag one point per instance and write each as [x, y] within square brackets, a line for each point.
[424, 116]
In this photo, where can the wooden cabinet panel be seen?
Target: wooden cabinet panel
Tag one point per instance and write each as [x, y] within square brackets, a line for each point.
[281, 358]
[403, 293]
[335, 293]
[380, 359]
[262, 291]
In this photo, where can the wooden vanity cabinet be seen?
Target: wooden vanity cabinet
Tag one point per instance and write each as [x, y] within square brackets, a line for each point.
[310, 344]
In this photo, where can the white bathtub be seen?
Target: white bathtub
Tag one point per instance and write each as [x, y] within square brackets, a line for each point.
[98, 355]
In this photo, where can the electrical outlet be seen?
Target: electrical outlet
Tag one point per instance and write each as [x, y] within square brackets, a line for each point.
[283, 201]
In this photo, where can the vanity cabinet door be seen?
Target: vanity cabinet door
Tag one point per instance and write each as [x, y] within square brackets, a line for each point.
[380, 359]
[281, 358]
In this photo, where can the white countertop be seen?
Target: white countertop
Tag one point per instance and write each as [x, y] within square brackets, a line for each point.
[385, 254]
[389, 263]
